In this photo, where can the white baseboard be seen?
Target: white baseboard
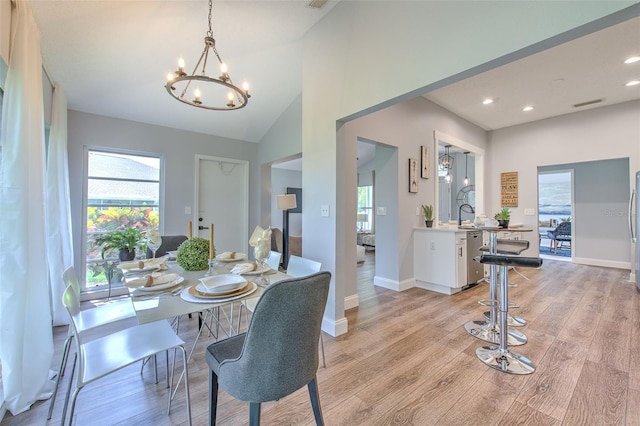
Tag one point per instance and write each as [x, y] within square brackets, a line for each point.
[602, 263]
[393, 284]
[438, 288]
[3, 405]
[335, 328]
[351, 302]
[632, 277]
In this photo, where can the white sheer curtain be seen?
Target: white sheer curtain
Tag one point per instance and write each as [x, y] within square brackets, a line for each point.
[58, 217]
[26, 342]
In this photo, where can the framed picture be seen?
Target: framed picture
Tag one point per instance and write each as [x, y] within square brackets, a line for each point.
[424, 162]
[413, 175]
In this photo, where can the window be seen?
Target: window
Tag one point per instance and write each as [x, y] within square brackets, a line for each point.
[365, 207]
[123, 191]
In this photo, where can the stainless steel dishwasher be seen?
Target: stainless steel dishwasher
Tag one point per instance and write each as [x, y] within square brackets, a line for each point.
[475, 270]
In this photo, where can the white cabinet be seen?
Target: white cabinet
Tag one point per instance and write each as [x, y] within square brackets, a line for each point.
[440, 259]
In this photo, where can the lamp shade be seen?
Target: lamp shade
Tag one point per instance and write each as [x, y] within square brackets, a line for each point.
[362, 217]
[286, 201]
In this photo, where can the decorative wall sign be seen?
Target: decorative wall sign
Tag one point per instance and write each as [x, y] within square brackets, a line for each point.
[413, 175]
[424, 161]
[509, 189]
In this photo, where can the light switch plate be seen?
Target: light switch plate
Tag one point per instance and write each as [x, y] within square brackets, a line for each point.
[381, 211]
[529, 212]
[187, 209]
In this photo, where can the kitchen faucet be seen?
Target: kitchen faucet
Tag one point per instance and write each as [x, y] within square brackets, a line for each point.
[460, 212]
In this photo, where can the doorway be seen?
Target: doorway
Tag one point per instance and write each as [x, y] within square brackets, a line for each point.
[555, 213]
[222, 199]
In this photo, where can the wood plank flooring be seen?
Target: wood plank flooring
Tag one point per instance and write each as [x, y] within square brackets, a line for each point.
[407, 360]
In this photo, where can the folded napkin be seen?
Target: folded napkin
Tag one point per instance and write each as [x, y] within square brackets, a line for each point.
[243, 268]
[261, 240]
[227, 255]
[151, 280]
[159, 262]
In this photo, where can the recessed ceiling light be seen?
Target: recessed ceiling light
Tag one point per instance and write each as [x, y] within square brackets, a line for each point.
[632, 59]
[487, 101]
[633, 83]
[527, 108]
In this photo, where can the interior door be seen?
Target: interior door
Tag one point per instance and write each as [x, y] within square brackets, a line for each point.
[222, 199]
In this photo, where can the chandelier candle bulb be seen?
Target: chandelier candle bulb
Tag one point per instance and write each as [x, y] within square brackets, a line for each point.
[196, 94]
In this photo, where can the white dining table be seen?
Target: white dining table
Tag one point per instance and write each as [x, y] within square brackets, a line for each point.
[167, 304]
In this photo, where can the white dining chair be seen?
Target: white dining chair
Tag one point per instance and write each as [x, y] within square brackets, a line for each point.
[274, 260]
[107, 354]
[89, 319]
[301, 267]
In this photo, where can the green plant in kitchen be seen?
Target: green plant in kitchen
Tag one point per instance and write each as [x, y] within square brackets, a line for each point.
[125, 241]
[427, 211]
[503, 217]
[193, 254]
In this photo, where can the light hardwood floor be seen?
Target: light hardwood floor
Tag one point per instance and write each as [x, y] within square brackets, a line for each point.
[407, 360]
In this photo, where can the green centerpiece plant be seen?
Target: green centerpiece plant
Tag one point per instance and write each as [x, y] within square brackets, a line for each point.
[427, 211]
[503, 217]
[193, 254]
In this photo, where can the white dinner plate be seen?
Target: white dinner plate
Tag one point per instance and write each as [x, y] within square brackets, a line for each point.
[236, 257]
[221, 284]
[184, 295]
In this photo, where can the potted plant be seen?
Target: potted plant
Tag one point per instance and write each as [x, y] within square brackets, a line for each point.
[503, 217]
[125, 241]
[427, 211]
[193, 254]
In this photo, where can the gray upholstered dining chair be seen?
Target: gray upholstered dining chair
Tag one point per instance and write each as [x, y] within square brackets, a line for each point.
[279, 352]
[169, 243]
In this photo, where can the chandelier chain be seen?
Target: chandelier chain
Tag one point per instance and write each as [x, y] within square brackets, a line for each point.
[210, 32]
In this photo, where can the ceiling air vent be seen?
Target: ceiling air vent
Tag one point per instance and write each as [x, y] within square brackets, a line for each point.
[317, 4]
[582, 104]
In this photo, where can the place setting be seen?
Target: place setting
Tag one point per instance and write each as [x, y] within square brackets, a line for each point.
[218, 288]
[154, 284]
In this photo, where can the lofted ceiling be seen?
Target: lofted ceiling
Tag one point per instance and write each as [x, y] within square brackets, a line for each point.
[111, 58]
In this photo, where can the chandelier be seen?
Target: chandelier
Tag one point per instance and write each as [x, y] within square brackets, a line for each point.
[208, 91]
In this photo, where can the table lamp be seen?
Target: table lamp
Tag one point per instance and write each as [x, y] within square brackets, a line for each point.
[285, 202]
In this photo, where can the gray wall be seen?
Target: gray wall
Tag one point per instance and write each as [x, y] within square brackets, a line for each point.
[400, 130]
[610, 132]
[178, 147]
[600, 211]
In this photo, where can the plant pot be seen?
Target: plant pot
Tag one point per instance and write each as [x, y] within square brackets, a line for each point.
[125, 255]
[503, 223]
[429, 223]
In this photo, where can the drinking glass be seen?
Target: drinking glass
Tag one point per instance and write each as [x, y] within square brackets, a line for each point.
[153, 243]
[261, 254]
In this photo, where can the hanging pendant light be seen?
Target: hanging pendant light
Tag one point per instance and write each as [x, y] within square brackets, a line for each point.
[466, 180]
[208, 92]
[445, 161]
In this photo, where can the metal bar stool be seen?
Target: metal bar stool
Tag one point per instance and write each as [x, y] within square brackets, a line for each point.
[489, 330]
[510, 248]
[500, 357]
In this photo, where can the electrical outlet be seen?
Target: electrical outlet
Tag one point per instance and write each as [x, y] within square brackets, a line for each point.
[433, 245]
[187, 209]
[324, 210]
